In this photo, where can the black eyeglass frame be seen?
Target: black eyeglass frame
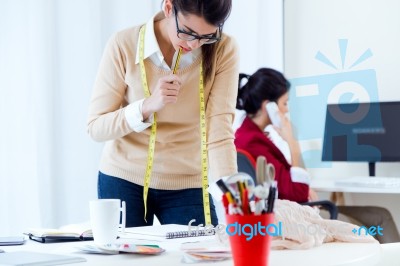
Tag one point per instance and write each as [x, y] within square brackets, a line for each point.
[192, 37]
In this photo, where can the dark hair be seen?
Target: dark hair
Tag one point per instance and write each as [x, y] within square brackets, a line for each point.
[215, 12]
[264, 84]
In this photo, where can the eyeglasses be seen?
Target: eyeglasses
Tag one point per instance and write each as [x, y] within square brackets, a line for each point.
[203, 39]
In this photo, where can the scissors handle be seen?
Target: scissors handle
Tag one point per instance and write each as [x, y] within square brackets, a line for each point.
[270, 173]
[261, 170]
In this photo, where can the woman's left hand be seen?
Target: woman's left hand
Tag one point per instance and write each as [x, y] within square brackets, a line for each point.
[285, 130]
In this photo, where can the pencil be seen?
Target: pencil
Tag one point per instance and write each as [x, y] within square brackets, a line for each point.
[245, 202]
[221, 184]
[271, 199]
[225, 201]
[178, 58]
[229, 197]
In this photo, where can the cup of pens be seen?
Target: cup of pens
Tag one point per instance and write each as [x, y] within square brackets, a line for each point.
[249, 217]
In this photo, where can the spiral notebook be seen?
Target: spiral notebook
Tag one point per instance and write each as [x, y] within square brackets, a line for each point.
[168, 231]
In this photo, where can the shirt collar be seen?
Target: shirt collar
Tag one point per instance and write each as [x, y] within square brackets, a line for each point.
[150, 41]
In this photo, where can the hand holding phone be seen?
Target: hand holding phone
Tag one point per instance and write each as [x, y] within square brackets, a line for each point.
[273, 113]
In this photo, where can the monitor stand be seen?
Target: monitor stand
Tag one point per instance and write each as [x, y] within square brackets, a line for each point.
[371, 168]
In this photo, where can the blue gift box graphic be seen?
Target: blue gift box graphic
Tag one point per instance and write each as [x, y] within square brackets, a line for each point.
[308, 107]
[309, 97]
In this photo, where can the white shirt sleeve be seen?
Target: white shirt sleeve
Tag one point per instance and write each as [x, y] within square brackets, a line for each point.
[300, 175]
[216, 194]
[215, 191]
[134, 116]
[279, 142]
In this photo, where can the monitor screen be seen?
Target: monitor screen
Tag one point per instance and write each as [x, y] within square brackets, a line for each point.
[367, 132]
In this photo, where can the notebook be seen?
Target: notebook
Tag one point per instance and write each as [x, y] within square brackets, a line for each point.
[26, 258]
[169, 231]
[71, 232]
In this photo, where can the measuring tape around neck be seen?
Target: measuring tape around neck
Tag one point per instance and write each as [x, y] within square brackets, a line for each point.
[204, 157]
[150, 154]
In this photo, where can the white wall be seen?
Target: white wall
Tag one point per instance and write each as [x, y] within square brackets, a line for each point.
[257, 26]
[83, 29]
[49, 55]
[358, 26]
[258, 29]
[312, 27]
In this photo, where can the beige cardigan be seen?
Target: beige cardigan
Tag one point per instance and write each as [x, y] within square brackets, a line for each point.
[177, 150]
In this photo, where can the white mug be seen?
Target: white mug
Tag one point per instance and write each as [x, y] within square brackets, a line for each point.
[104, 219]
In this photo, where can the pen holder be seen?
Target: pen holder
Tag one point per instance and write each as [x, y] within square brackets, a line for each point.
[250, 238]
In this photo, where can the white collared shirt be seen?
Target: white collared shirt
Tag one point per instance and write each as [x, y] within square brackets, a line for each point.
[133, 112]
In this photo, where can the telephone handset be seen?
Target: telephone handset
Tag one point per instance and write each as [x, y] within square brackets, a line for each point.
[273, 112]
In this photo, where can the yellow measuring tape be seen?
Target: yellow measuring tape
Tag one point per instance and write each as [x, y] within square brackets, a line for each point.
[152, 143]
[178, 58]
[150, 155]
[204, 157]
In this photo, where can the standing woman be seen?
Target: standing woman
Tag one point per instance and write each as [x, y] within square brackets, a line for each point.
[160, 125]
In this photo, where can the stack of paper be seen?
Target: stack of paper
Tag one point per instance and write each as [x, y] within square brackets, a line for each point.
[205, 251]
[121, 248]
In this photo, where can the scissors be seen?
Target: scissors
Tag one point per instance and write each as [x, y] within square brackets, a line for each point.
[265, 172]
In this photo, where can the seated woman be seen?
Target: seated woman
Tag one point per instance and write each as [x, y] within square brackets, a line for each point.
[280, 147]
[264, 86]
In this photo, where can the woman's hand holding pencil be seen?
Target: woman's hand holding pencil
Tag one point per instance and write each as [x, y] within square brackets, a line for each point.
[165, 92]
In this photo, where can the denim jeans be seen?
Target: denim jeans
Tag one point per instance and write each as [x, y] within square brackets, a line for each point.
[170, 206]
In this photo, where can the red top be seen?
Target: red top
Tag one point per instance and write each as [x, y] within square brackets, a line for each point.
[249, 137]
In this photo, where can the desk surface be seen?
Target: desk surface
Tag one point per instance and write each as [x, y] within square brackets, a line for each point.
[329, 185]
[344, 254]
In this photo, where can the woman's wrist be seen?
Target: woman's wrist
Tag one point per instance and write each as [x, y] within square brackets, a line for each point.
[293, 145]
[295, 153]
[146, 110]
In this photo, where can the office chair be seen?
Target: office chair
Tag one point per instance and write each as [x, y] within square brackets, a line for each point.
[247, 164]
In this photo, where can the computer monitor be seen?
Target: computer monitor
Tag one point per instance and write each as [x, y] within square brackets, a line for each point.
[362, 132]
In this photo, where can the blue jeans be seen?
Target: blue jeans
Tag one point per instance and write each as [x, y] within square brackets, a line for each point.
[170, 206]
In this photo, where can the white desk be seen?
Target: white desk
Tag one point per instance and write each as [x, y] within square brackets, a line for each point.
[362, 195]
[344, 254]
[328, 185]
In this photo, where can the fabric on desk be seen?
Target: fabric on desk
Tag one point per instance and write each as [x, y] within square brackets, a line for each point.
[304, 228]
